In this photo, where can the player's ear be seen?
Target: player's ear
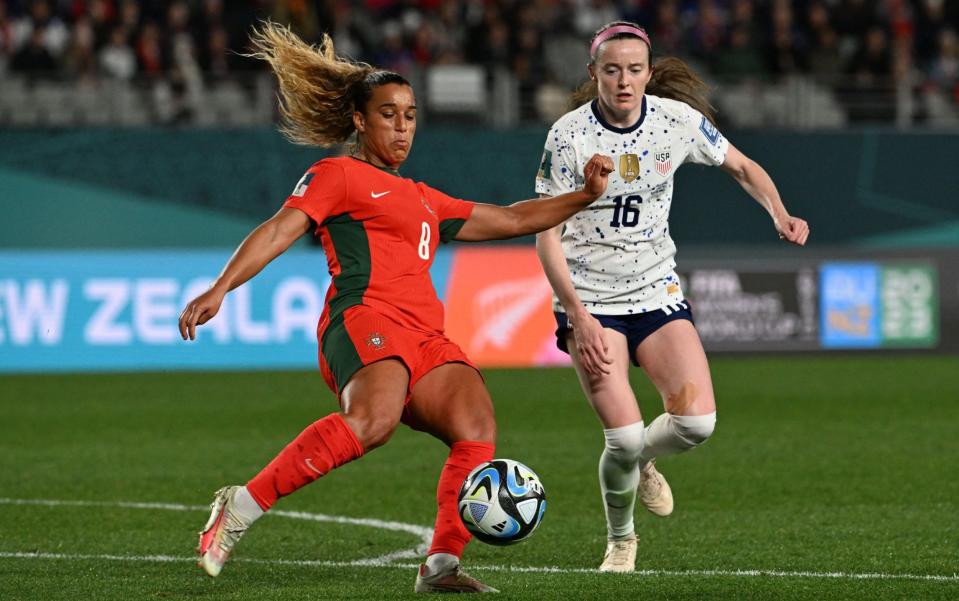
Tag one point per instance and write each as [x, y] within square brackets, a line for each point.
[359, 122]
[590, 68]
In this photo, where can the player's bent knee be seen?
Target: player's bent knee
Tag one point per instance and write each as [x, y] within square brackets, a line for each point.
[372, 430]
[695, 429]
[624, 444]
[479, 430]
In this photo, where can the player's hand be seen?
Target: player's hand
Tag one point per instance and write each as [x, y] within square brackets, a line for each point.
[792, 229]
[199, 311]
[595, 173]
[591, 345]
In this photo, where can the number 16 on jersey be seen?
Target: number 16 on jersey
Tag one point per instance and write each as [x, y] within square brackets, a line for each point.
[626, 211]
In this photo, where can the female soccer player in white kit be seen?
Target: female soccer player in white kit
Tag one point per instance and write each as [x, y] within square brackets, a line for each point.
[617, 298]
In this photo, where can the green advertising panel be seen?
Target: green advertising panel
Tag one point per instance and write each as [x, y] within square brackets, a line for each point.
[910, 309]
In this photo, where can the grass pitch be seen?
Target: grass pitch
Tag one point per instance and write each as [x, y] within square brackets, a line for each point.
[827, 478]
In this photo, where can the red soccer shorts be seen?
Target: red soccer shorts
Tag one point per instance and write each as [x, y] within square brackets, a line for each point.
[361, 336]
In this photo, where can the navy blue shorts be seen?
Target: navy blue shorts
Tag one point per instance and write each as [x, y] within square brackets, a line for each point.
[636, 327]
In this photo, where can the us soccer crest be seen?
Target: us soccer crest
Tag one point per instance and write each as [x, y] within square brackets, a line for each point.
[663, 162]
[376, 340]
[629, 167]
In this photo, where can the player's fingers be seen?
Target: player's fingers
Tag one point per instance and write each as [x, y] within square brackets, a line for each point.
[587, 361]
[184, 318]
[194, 318]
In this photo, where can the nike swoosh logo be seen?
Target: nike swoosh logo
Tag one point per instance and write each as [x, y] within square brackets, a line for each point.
[309, 464]
[375, 195]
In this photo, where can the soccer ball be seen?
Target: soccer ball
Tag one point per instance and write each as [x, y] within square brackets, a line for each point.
[501, 502]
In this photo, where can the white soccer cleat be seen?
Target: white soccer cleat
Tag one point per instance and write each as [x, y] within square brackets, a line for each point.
[221, 533]
[452, 580]
[620, 556]
[654, 491]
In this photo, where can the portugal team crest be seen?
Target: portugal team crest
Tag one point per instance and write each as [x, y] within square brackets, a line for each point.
[629, 167]
[663, 162]
[376, 340]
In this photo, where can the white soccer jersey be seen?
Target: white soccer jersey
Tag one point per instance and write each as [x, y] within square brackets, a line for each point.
[618, 250]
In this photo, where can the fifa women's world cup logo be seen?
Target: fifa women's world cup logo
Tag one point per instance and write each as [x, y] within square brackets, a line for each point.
[629, 167]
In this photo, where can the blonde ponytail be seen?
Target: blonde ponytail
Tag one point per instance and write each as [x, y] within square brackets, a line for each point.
[317, 88]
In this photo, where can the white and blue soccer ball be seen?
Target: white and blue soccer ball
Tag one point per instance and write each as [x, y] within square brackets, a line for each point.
[502, 502]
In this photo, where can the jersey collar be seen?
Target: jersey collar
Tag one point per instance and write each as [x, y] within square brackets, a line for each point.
[619, 130]
[386, 169]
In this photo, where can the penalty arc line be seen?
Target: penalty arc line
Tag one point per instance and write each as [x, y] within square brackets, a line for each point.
[387, 560]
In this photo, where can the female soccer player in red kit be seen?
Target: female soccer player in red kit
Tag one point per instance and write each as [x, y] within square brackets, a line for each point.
[382, 348]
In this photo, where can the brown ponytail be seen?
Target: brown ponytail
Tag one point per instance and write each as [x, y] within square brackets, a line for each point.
[672, 78]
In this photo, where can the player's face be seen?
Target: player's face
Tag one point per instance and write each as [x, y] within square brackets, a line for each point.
[621, 72]
[387, 125]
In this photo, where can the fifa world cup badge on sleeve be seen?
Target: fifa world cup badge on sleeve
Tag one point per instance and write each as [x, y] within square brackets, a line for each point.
[709, 130]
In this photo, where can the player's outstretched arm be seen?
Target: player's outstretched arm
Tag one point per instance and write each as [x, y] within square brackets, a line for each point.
[491, 222]
[757, 183]
[264, 244]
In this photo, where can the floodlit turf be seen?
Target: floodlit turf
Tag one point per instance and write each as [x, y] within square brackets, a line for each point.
[822, 471]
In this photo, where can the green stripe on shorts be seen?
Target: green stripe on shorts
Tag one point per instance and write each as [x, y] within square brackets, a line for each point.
[339, 352]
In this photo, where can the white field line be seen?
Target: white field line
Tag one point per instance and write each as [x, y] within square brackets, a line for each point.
[425, 534]
[494, 568]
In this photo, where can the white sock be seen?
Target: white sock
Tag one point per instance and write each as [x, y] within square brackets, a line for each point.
[670, 434]
[245, 506]
[619, 476]
[440, 562]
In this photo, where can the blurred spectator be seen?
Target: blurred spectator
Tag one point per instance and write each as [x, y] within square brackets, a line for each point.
[705, 37]
[81, 59]
[666, 31]
[6, 37]
[944, 72]
[825, 61]
[117, 59]
[149, 50]
[101, 18]
[870, 90]
[931, 20]
[786, 52]
[590, 15]
[54, 34]
[394, 55]
[34, 58]
[741, 59]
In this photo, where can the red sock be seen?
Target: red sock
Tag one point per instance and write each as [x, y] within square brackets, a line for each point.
[324, 445]
[449, 533]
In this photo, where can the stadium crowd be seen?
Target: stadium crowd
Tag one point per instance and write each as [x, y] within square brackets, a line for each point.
[854, 47]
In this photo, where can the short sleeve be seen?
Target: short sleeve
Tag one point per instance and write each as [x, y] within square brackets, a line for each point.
[451, 212]
[320, 191]
[557, 168]
[706, 145]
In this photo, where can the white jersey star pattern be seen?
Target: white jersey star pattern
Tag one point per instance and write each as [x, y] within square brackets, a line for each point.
[618, 250]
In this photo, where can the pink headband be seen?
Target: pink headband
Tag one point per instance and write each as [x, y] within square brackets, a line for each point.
[605, 35]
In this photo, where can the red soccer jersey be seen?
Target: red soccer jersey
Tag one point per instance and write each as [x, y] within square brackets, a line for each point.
[380, 232]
